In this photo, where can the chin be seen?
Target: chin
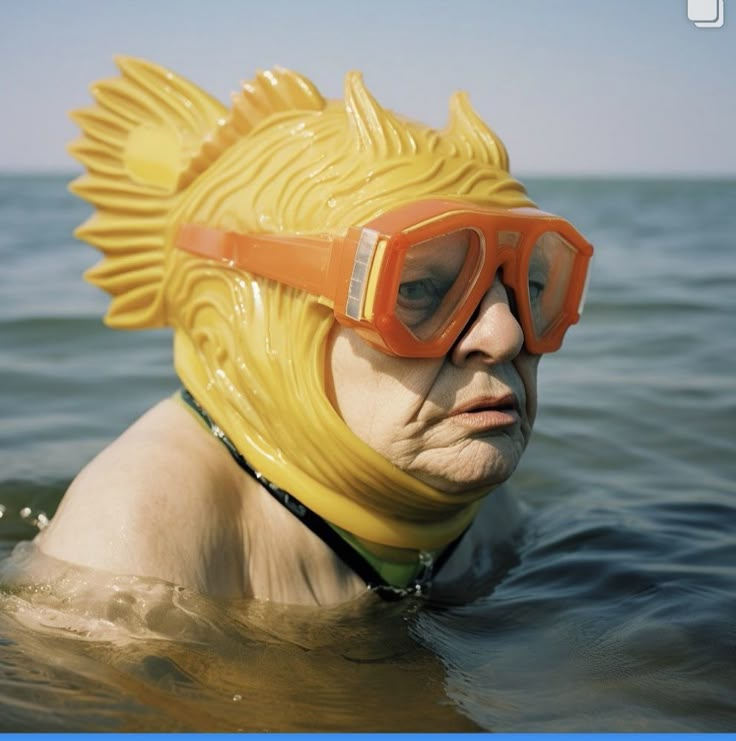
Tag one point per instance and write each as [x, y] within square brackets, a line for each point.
[484, 465]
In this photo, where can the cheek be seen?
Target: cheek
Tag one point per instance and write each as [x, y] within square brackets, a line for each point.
[351, 382]
[527, 366]
[377, 395]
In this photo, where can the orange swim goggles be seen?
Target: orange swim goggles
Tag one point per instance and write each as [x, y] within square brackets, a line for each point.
[410, 280]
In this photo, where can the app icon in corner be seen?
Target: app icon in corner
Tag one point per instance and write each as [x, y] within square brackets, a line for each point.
[705, 13]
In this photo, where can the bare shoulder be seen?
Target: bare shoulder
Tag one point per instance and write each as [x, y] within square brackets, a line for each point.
[162, 500]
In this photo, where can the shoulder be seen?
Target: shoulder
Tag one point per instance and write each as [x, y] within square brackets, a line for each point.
[162, 500]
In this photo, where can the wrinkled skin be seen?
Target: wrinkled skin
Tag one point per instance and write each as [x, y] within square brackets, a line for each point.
[409, 410]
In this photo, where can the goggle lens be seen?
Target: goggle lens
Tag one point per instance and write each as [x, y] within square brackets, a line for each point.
[549, 276]
[438, 274]
[436, 277]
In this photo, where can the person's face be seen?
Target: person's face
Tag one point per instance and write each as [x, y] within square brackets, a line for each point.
[456, 423]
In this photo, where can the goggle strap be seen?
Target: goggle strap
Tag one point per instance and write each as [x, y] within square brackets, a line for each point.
[305, 268]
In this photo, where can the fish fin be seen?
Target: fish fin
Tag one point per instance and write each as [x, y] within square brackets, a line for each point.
[274, 91]
[137, 139]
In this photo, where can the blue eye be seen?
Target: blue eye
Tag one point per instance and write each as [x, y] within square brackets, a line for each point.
[418, 300]
[417, 292]
[536, 288]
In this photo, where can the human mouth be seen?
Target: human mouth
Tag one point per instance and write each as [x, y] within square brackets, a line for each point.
[488, 413]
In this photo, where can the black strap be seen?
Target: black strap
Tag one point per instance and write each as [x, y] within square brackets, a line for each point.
[319, 526]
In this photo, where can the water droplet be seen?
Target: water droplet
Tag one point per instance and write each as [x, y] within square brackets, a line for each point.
[25, 513]
[237, 698]
[2, 511]
[425, 558]
[42, 521]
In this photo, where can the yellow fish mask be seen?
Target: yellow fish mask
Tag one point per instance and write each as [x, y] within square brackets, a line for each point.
[160, 152]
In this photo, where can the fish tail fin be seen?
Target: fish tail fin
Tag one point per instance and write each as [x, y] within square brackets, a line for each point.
[143, 131]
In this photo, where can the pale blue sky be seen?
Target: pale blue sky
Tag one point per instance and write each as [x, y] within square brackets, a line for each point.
[572, 86]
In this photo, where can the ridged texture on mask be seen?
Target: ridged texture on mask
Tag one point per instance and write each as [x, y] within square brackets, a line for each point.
[253, 352]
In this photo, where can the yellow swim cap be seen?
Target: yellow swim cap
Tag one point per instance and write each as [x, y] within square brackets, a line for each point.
[160, 153]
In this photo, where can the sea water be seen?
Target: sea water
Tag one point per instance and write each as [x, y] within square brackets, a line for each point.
[616, 611]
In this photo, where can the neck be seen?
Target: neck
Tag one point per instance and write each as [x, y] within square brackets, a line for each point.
[390, 570]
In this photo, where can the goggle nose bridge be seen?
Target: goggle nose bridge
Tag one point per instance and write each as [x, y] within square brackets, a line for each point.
[506, 262]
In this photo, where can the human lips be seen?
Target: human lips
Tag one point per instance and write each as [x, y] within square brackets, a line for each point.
[488, 412]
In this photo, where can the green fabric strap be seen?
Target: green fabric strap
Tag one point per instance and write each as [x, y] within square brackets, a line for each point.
[399, 575]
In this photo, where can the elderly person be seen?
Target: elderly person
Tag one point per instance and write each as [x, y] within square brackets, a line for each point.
[359, 304]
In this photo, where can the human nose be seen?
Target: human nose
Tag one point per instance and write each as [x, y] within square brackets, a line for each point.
[493, 334]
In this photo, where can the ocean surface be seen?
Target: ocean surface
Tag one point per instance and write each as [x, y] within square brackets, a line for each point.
[617, 611]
